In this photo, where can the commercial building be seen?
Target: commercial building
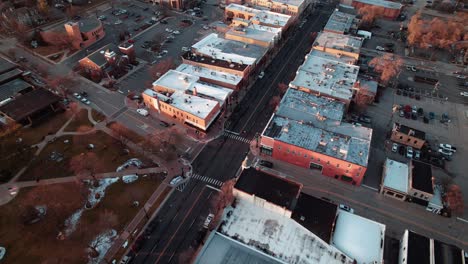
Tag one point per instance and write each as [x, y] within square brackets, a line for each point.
[391, 10]
[359, 238]
[395, 180]
[408, 136]
[421, 181]
[257, 16]
[290, 7]
[13, 88]
[338, 44]
[341, 23]
[109, 59]
[224, 79]
[191, 110]
[327, 75]
[253, 35]
[307, 131]
[416, 248]
[6, 65]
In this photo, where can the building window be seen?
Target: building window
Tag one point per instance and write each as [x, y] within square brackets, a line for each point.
[328, 162]
[266, 151]
[346, 178]
[315, 166]
[408, 140]
[399, 196]
[401, 137]
[305, 155]
[337, 165]
[415, 142]
[360, 169]
[349, 165]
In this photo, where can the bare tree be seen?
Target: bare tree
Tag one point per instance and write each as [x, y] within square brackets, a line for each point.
[282, 88]
[119, 132]
[222, 199]
[274, 101]
[187, 255]
[43, 6]
[455, 199]
[387, 65]
[161, 67]
[107, 220]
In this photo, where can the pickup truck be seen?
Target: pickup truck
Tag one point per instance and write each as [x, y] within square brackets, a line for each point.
[207, 222]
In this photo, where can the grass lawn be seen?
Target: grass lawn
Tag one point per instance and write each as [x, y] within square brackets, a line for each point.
[80, 120]
[38, 243]
[107, 149]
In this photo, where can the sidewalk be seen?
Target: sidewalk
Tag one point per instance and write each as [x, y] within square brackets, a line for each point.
[395, 214]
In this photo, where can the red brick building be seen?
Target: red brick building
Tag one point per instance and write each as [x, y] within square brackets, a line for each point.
[391, 9]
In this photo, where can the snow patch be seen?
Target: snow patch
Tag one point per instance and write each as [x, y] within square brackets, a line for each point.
[2, 252]
[72, 221]
[131, 162]
[129, 178]
[102, 243]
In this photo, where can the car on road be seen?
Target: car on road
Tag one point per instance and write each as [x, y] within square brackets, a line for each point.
[163, 22]
[208, 220]
[390, 50]
[205, 27]
[77, 95]
[346, 208]
[364, 119]
[185, 49]
[176, 180]
[176, 32]
[170, 37]
[465, 94]
[448, 147]
[13, 190]
[394, 147]
[125, 260]
[85, 101]
[260, 76]
[142, 112]
[266, 163]
[380, 48]
[169, 30]
[102, 17]
[389, 45]
[417, 154]
[445, 152]
[411, 68]
[409, 152]
[118, 22]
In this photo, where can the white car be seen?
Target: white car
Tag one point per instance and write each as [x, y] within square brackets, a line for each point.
[142, 112]
[77, 95]
[346, 208]
[409, 152]
[208, 219]
[445, 152]
[85, 101]
[169, 30]
[411, 68]
[164, 52]
[176, 32]
[176, 180]
[394, 147]
[206, 27]
[118, 22]
[465, 94]
[185, 49]
[170, 37]
[260, 76]
[102, 17]
[380, 48]
[448, 147]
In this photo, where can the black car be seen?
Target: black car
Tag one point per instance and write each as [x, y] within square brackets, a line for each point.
[389, 50]
[365, 119]
[163, 22]
[84, 94]
[164, 124]
[146, 9]
[266, 163]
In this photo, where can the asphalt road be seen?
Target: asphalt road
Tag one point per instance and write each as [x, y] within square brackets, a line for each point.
[180, 220]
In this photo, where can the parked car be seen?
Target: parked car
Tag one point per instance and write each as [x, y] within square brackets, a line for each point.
[401, 150]
[185, 49]
[260, 76]
[163, 22]
[346, 208]
[380, 48]
[417, 154]
[409, 152]
[208, 219]
[77, 95]
[142, 112]
[364, 119]
[402, 113]
[465, 94]
[85, 101]
[411, 68]
[394, 147]
[176, 180]
[125, 260]
[102, 17]
[445, 152]
[169, 30]
[448, 147]
[266, 163]
[176, 32]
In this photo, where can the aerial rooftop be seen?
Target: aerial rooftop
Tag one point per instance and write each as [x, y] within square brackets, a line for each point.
[382, 3]
[87, 24]
[316, 215]
[208, 73]
[396, 175]
[359, 238]
[421, 176]
[327, 76]
[253, 34]
[418, 249]
[13, 87]
[6, 65]
[409, 131]
[273, 189]
[344, 141]
[229, 50]
[338, 41]
[302, 106]
[296, 3]
[329, 56]
[194, 105]
[98, 57]
[278, 236]
[261, 16]
[339, 22]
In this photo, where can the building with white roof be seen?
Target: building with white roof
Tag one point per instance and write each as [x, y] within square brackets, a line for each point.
[257, 16]
[173, 81]
[359, 238]
[395, 179]
[341, 23]
[290, 7]
[338, 44]
[224, 79]
[326, 76]
[192, 110]
[253, 36]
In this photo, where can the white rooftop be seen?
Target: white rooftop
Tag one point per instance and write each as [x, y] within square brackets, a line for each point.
[261, 16]
[343, 141]
[228, 50]
[252, 33]
[208, 73]
[339, 22]
[278, 236]
[326, 75]
[285, 2]
[195, 105]
[338, 41]
[302, 106]
[396, 176]
[383, 3]
[179, 81]
[359, 237]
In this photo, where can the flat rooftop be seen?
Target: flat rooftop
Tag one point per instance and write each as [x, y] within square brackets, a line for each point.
[278, 236]
[208, 73]
[29, 103]
[262, 16]
[326, 76]
[344, 141]
[178, 81]
[229, 50]
[338, 41]
[220, 249]
[6, 76]
[302, 106]
[194, 105]
[409, 131]
[418, 249]
[290, 2]
[276, 190]
[421, 176]
[316, 215]
[396, 176]
[98, 56]
[329, 56]
[87, 24]
[13, 87]
[6, 65]
[339, 22]
[368, 85]
[252, 33]
[446, 253]
[359, 238]
[214, 61]
[382, 3]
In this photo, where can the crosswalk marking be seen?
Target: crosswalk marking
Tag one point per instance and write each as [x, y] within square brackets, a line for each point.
[207, 179]
[236, 137]
[181, 186]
